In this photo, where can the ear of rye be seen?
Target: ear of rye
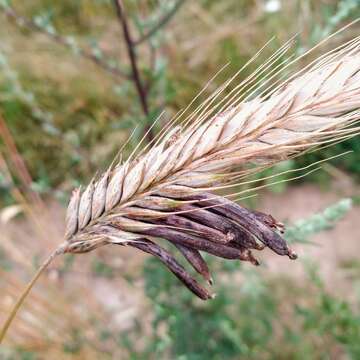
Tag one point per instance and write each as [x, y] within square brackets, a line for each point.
[313, 108]
[318, 105]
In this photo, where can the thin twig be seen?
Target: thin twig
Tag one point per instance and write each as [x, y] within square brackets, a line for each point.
[162, 22]
[31, 25]
[120, 12]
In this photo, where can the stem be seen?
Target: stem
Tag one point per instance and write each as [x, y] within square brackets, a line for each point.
[134, 66]
[4, 329]
[162, 22]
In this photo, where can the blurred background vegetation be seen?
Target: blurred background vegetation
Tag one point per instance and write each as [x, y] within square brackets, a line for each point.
[72, 90]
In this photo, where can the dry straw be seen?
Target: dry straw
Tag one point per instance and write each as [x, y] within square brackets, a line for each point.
[164, 191]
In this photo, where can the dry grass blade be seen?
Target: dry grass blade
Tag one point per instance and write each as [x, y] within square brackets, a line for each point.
[149, 194]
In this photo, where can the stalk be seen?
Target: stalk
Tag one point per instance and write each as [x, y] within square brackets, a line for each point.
[20, 301]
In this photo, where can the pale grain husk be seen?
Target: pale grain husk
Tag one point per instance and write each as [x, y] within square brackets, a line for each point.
[313, 108]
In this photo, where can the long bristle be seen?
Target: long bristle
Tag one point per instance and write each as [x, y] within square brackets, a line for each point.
[212, 150]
